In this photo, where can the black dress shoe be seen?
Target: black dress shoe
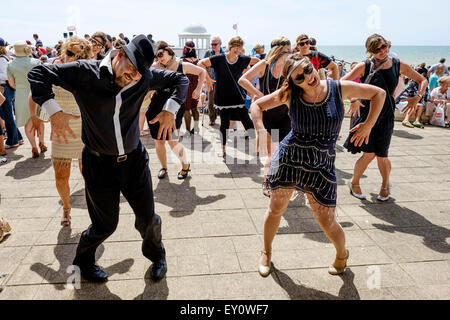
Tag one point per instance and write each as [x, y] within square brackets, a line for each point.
[159, 270]
[93, 273]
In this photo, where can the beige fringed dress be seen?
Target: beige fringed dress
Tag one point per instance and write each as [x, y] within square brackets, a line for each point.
[73, 149]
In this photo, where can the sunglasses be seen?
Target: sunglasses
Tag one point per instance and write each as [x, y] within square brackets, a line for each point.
[301, 77]
[214, 44]
[160, 54]
[96, 44]
[301, 44]
[70, 53]
[376, 51]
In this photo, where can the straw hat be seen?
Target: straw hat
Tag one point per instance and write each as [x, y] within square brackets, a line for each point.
[22, 49]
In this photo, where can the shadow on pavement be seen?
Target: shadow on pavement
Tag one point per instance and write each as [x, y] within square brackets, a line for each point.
[28, 168]
[183, 198]
[154, 290]
[406, 135]
[64, 254]
[296, 291]
[401, 219]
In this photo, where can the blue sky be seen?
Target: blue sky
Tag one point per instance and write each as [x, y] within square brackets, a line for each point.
[340, 22]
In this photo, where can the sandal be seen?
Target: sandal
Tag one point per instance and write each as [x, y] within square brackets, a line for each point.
[182, 176]
[161, 174]
[42, 147]
[335, 271]
[417, 125]
[65, 222]
[35, 153]
[264, 271]
[407, 124]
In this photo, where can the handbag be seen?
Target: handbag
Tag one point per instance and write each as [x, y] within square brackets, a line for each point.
[438, 116]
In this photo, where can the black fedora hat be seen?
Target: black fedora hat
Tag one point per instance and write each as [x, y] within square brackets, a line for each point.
[141, 53]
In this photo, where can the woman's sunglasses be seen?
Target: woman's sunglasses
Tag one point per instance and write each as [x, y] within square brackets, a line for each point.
[70, 53]
[96, 44]
[307, 42]
[301, 77]
[376, 51]
[160, 54]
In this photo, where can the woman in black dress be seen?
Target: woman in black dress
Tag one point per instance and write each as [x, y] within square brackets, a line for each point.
[166, 59]
[276, 121]
[382, 71]
[229, 97]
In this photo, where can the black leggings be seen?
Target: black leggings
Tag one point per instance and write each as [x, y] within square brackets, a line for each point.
[240, 114]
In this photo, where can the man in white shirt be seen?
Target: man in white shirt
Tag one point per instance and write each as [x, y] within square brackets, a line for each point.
[434, 67]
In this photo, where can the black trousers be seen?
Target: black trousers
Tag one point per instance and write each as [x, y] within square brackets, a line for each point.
[236, 114]
[104, 179]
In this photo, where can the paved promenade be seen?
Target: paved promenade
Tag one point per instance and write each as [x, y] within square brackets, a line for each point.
[213, 225]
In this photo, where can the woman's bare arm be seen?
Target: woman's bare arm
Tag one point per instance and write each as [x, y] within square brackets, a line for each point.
[12, 83]
[206, 63]
[367, 92]
[198, 71]
[245, 81]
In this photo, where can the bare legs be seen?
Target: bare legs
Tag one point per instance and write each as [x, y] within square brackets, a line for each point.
[384, 165]
[187, 120]
[324, 216]
[30, 135]
[176, 147]
[62, 168]
[361, 166]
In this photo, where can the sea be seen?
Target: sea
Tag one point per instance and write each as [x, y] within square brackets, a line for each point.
[413, 55]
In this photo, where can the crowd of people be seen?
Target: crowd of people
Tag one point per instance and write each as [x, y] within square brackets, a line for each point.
[98, 106]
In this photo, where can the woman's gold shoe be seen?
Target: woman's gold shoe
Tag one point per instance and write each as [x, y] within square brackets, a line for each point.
[336, 271]
[264, 271]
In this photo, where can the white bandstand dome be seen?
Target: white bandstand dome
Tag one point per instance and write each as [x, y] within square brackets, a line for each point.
[197, 33]
[195, 28]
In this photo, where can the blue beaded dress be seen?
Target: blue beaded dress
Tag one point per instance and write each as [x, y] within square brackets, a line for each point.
[304, 160]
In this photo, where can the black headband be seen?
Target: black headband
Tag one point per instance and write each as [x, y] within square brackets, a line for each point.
[282, 43]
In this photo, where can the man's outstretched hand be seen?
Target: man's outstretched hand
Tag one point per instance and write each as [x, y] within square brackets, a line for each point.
[166, 124]
[60, 126]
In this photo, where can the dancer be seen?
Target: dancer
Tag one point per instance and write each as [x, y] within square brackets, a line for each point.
[318, 59]
[382, 71]
[276, 121]
[109, 93]
[62, 153]
[190, 105]
[17, 79]
[304, 160]
[166, 60]
[228, 96]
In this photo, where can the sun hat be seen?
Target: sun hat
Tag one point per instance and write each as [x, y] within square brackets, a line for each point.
[22, 49]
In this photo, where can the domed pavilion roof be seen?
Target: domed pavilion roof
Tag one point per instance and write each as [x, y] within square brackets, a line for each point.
[195, 28]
